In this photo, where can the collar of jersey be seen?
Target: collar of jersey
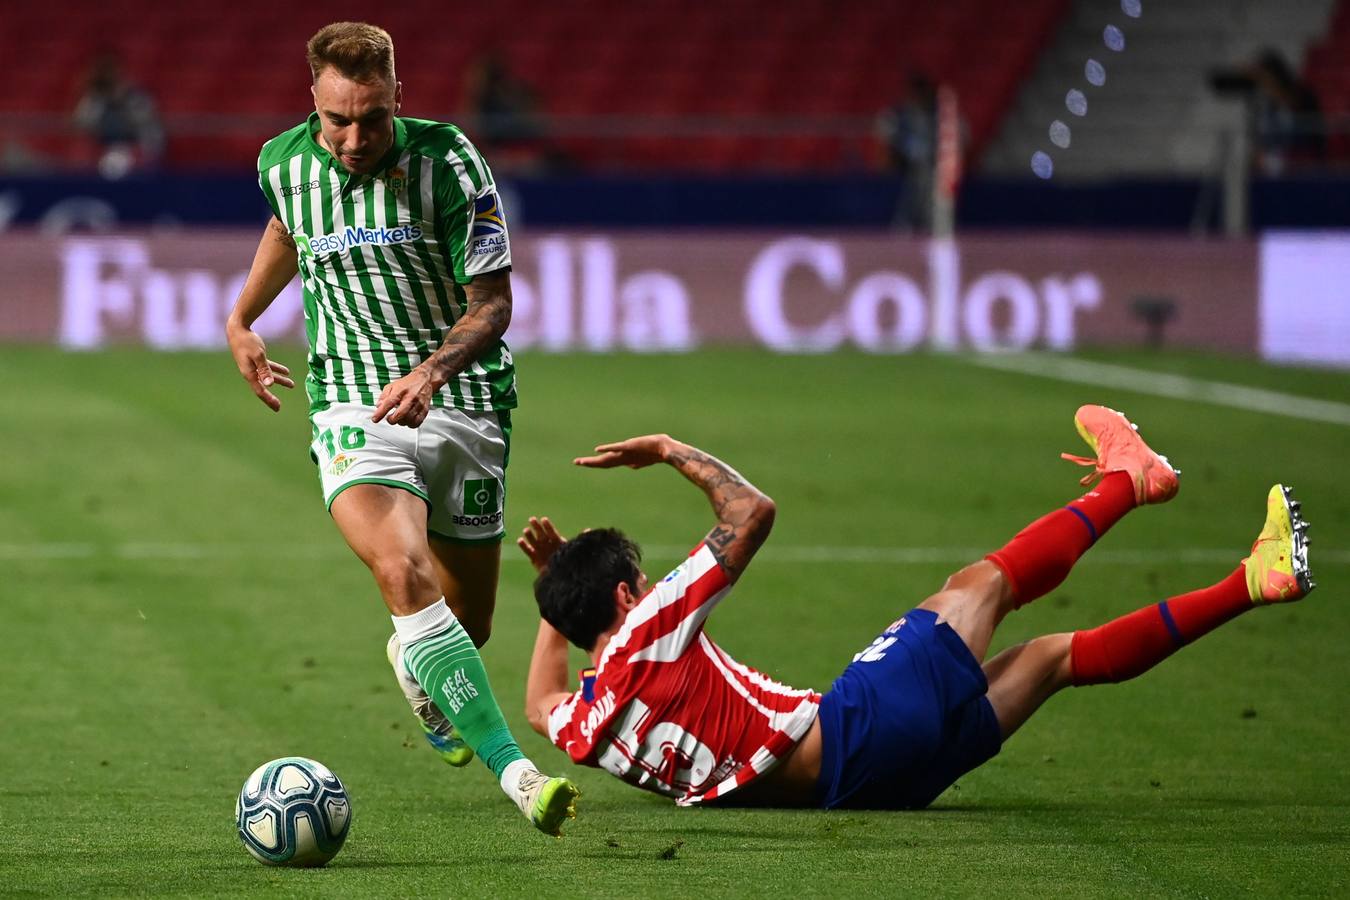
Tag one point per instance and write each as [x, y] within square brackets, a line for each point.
[389, 158]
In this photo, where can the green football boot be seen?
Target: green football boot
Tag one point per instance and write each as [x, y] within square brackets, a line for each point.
[439, 731]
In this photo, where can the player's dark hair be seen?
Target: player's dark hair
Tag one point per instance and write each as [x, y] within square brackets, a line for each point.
[358, 51]
[575, 592]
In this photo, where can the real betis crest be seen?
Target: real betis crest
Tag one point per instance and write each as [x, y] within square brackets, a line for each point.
[341, 463]
[396, 180]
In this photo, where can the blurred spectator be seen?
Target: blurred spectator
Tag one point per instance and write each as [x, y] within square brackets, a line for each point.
[908, 134]
[120, 118]
[504, 122]
[1284, 115]
[1287, 115]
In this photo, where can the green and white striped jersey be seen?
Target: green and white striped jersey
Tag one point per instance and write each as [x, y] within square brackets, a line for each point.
[384, 257]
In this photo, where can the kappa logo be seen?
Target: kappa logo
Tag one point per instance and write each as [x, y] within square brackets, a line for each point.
[292, 190]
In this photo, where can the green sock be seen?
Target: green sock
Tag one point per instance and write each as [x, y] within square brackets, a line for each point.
[447, 665]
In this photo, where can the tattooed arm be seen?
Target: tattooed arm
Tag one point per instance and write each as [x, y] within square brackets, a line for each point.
[407, 401]
[744, 514]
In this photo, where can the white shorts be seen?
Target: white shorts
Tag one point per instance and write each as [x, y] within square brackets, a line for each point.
[455, 461]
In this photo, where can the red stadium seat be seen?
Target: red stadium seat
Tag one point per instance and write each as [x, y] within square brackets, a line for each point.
[732, 60]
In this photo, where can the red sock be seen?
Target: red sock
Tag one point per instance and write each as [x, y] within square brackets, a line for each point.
[1133, 644]
[1039, 558]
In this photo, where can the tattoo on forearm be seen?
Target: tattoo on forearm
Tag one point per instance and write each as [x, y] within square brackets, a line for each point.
[709, 473]
[280, 234]
[744, 515]
[484, 321]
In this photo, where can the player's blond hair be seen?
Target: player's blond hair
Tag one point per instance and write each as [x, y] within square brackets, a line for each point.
[358, 51]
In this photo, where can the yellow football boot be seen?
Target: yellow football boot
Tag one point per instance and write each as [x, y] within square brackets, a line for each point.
[1277, 570]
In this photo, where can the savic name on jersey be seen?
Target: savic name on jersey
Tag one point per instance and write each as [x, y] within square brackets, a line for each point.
[669, 710]
[384, 259]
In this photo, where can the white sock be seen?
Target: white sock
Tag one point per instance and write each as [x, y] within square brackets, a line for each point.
[511, 776]
[424, 623]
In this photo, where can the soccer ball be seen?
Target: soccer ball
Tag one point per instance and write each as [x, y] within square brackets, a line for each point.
[293, 812]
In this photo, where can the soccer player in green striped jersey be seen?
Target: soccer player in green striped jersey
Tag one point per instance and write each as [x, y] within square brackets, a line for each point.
[396, 230]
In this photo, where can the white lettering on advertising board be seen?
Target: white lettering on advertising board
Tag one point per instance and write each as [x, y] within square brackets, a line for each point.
[574, 293]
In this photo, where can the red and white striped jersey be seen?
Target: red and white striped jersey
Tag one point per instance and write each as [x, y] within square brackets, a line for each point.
[669, 710]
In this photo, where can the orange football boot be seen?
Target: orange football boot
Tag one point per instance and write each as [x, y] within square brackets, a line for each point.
[1118, 447]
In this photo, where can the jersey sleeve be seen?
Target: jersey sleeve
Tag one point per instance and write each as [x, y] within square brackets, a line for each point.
[564, 727]
[472, 218]
[672, 614]
[269, 190]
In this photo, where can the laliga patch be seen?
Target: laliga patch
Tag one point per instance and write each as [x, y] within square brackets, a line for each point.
[488, 216]
[489, 226]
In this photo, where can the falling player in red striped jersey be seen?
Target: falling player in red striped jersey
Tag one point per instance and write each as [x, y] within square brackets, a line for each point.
[666, 709]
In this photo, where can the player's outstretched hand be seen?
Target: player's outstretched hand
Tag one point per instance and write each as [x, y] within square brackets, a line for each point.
[261, 373]
[635, 453]
[406, 401]
[539, 540]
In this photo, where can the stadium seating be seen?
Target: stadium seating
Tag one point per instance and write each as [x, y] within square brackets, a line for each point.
[1157, 114]
[735, 73]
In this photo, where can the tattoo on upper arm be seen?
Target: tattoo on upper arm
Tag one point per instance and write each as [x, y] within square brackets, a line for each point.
[280, 234]
[719, 540]
[733, 543]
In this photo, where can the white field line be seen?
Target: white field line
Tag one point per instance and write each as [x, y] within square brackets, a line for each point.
[1161, 384]
[889, 556]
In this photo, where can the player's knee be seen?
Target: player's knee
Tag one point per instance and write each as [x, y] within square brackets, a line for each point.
[956, 581]
[982, 578]
[966, 577]
[978, 586]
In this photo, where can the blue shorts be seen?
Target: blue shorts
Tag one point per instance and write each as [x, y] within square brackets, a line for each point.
[907, 718]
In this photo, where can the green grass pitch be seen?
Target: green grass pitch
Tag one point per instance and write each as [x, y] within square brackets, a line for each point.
[176, 608]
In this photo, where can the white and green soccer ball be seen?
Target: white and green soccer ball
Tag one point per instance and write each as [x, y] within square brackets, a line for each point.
[293, 811]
